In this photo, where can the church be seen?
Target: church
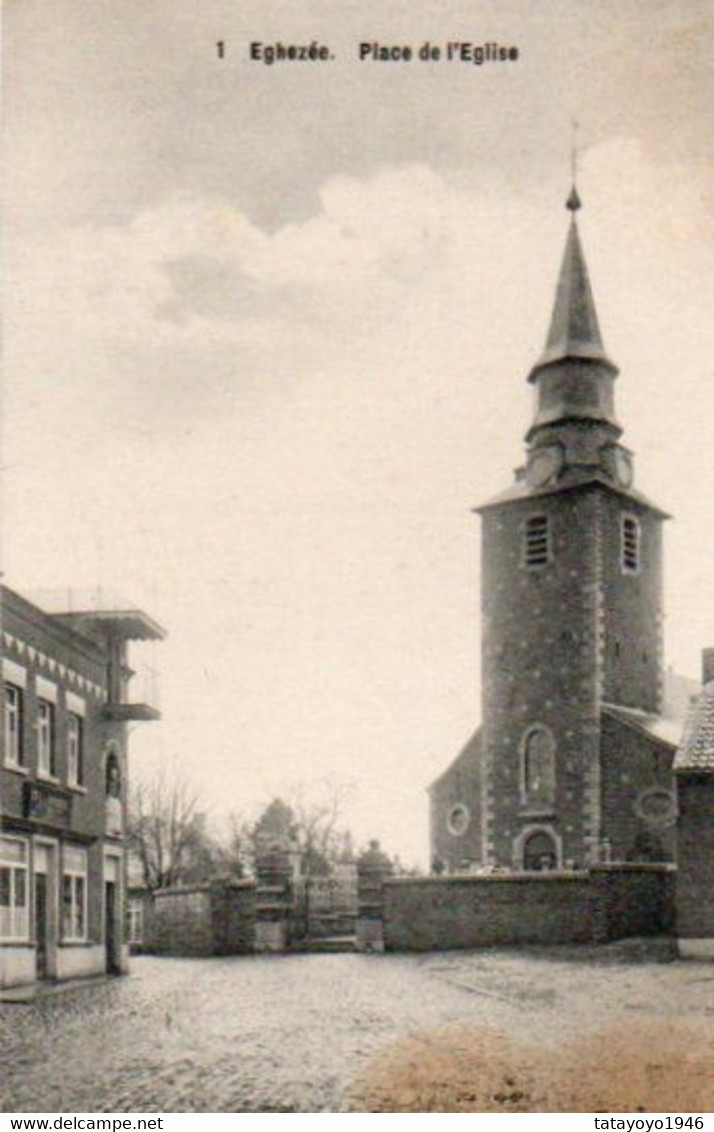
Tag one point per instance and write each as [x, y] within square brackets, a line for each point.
[572, 765]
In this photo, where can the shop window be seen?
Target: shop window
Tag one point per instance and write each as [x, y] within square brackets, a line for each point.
[74, 893]
[14, 746]
[75, 750]
[14, 909]
[537, 541]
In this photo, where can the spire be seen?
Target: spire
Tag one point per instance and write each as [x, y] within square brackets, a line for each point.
[574, 329]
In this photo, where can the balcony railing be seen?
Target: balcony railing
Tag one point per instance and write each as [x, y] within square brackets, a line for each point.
[140, 699]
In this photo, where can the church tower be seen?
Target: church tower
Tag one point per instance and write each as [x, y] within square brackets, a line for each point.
[571, 603]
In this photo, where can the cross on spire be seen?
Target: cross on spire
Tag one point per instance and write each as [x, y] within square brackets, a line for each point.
[573, 202]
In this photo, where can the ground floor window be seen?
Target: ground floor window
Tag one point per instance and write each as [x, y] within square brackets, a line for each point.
[135, 913]
[74, 893]
[14, 906]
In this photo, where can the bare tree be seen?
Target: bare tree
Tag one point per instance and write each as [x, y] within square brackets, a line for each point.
[235, 852]
[318, 817]
[167, 833]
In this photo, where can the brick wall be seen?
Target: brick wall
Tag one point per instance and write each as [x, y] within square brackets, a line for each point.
[217, 919]
[30, 629]
[695, 856]
[461, 912]
[634, 900]
[482, 911]
[179, 922]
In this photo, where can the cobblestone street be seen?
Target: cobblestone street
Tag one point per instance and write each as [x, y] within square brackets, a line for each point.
[313, 1033]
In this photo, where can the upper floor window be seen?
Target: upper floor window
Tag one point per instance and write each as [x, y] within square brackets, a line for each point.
[75, 750]
[46, 747]
[538, 767]
[14, 903]
[537, 541]
[630, 539]
[14, 747]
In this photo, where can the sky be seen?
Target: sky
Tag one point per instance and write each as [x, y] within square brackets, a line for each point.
[268, 330]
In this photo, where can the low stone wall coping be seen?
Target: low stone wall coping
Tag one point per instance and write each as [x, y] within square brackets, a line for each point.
[493, 878]
[182, 890]
[634, 867]
[208, 888]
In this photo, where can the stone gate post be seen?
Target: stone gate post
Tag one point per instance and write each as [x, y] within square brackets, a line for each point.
[373, 868]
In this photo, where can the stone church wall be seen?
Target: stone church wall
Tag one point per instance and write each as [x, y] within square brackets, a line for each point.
[540, 666]
[631, 619]
[455, 811]
[635, 769]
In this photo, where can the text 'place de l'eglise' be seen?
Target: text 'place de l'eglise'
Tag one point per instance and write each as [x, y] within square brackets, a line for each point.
[580, 811]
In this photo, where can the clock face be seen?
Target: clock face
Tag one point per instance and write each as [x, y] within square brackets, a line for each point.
[623, 468]
[544, 465]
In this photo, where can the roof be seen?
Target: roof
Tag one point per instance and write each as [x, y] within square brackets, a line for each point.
[696, 751]
[94, 611]
[521, 490]
[657, 727]
[472, 749]
[128, 624]
[574, 328]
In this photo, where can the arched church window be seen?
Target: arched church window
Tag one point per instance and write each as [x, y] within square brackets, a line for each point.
[537, 541]
[538, 767]
[630, 538]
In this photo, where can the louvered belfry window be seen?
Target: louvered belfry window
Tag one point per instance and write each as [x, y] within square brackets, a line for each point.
[537, 548]
[630, 545]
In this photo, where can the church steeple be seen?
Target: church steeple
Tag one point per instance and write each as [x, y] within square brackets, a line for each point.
[575, 419]
[574, 328]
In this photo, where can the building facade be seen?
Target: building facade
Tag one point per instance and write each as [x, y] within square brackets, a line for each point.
[694, 769]
[63, 787]
[572, 764]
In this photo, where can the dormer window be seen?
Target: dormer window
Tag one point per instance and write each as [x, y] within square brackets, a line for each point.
[630, 538]
[537, 542]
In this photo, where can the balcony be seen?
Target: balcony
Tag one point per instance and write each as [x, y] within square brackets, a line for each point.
[139, 701]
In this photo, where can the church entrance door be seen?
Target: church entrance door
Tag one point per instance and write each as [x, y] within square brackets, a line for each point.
[540, 853]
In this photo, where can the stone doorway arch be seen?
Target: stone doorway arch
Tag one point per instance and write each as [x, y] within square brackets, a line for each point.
[539, 850]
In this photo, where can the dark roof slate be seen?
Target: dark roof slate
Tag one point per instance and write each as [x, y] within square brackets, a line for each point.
[574, 329]
[696, 751]
[470, 752]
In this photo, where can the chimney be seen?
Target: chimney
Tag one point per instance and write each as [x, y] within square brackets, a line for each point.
[707, 666]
